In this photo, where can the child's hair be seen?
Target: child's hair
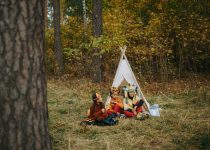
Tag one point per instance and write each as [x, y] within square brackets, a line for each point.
[129, 88]
[95, 96]
[114, 89]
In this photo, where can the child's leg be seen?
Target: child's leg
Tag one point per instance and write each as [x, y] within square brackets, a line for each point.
[109, 112]
[139, 106]
[109, 121]
[103, 116]
[128, 113]
[117, 109]
[139, 109]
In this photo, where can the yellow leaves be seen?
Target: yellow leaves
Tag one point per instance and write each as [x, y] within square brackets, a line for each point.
[169, 51]
[148, 28]
[153, 50]
[159, 6]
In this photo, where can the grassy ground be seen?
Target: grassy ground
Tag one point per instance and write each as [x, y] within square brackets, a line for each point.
[184, 121]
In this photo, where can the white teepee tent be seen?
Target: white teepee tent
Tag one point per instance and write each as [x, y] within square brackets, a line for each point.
[125, 76]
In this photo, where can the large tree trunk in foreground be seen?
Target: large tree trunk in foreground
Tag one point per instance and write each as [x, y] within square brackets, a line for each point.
[23, 98]
[57, 35]
[97, 32]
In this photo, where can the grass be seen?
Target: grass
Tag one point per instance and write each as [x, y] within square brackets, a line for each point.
[184, 121]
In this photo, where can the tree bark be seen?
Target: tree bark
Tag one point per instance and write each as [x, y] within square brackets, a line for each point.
[57, 35]
[84, 19]
[62, 9]
[46, 13]
[97, 32]
[23, 95]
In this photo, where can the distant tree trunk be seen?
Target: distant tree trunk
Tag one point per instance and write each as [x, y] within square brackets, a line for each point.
[177, 55]
[97, 32]
[23, 95]
[206, 61]
[180, 60]
[155, 66]
[62, 9]
[163, 67]
[84, 17]
[45, 14]
[57, 35]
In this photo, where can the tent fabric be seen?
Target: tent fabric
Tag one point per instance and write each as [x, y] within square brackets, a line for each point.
[124, 76]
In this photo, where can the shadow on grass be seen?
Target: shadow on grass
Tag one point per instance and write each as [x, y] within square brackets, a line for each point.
[202, 141]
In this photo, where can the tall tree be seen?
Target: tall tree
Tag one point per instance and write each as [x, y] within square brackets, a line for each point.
[84, 17]
[57, 35]
[97, 32]
[46, 13]
[63, 7]
[23, 98]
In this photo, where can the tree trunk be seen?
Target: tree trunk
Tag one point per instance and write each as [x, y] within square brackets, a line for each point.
[84, 16]
[23, 95]
[97, 32]
[45, 14]
[57, 35]
[206, 60]
[180, 61]
[62, 10]
[163, 67]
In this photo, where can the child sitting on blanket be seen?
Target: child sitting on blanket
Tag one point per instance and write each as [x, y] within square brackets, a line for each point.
[97, 112]
[116, 105]
[132, 103]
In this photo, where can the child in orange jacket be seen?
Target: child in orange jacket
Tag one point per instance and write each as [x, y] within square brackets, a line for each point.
[116, 104]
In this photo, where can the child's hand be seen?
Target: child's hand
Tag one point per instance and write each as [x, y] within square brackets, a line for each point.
[103, 110]
[134, 111]
[88, 113]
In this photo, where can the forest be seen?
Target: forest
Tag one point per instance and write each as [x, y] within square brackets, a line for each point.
[54, 54]
[165, 39]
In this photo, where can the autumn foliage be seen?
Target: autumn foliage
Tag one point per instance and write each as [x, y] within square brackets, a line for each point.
[165, 38]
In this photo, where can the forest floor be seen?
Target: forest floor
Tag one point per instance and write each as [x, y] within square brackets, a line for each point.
[184, 122]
